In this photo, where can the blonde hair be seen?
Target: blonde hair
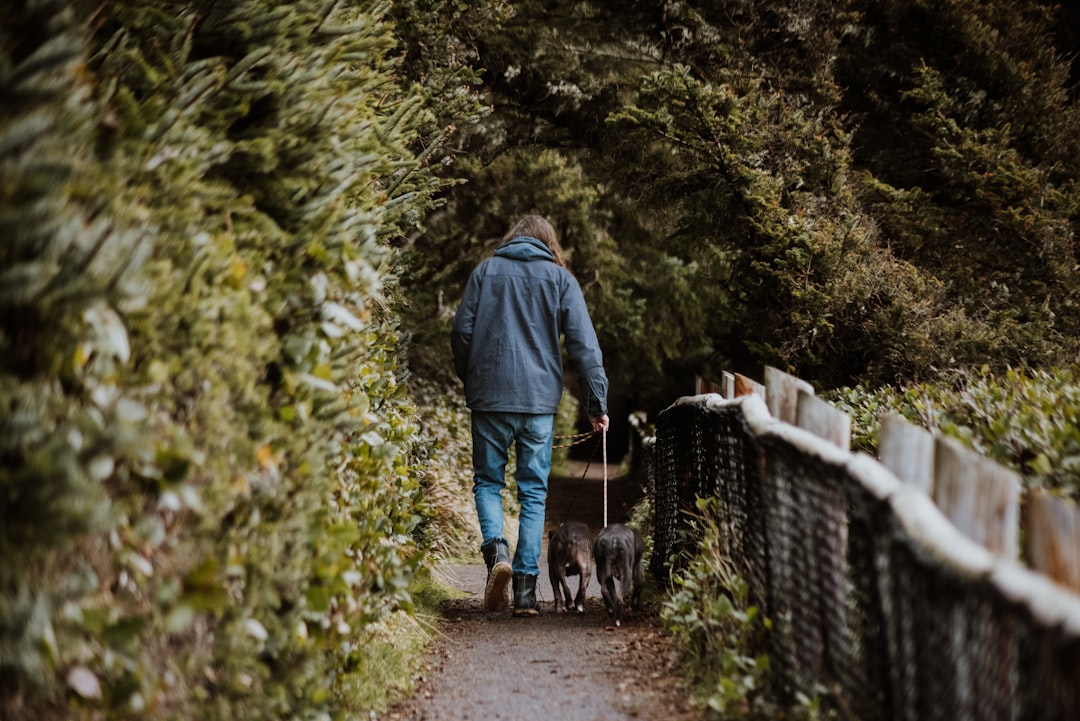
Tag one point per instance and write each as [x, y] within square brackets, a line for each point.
[536, 226]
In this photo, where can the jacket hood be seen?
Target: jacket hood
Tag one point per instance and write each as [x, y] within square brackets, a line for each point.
[524, 247]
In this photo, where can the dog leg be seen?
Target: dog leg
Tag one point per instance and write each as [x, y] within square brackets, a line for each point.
[625, 575]
[583, 583]
[553, 576]
[610, 592]
[565, 590]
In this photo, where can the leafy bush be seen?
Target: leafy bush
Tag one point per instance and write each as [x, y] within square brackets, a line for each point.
[718, 629]
[69, 427]
[721, 633]
[1027, 420]
[450, 528]
[211, 500]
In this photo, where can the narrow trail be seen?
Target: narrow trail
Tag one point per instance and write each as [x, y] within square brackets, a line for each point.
[490, 666]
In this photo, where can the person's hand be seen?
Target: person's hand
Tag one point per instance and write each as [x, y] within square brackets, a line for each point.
[600, 423]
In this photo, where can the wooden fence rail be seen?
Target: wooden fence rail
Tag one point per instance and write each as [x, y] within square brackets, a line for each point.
[900, 589]
[983, 499]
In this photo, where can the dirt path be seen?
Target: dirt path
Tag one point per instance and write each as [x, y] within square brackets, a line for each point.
[494, 667]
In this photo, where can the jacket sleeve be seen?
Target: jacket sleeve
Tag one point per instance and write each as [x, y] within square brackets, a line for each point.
[584, 349]
[462, 330]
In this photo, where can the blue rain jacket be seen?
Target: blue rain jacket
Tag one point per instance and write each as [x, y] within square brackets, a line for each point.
[506, 334]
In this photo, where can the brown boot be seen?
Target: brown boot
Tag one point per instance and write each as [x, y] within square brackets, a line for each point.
[497, 558]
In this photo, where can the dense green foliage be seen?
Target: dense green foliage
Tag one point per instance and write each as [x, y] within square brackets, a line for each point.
[852, 191]
[856, 192]
[209, 499]
[1026, 420]
[444, 461]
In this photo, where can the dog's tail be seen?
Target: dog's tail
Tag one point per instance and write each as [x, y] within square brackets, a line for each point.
[605, 561]
[607, 570]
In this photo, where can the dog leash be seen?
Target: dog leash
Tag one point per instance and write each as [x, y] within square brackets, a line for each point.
[588, 465]
[581, 481]
[605, 478]
[573, 440]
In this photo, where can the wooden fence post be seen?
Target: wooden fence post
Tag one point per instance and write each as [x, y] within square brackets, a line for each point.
[746, 386]
[907, 451]
[782, 394]
[727, 381]
[1052, 531]
[981, 498]
[824, 420]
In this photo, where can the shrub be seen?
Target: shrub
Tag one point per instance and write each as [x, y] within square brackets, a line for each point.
[1027, 420]
[210, 492]
[719, 631]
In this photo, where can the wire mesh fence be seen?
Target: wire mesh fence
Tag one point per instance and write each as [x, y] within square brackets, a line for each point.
[878, 604]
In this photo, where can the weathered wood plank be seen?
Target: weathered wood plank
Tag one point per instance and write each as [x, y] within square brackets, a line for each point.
[824, 420]
[782, 394]
[908, 451]
[745, 386]
[1052, 534]
[727, 382]
[981, 498]
[704, 385]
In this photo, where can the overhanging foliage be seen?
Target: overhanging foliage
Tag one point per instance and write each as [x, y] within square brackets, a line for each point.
[208, 488]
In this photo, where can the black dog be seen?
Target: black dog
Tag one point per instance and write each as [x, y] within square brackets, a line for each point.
[570, 554]
[618, 552]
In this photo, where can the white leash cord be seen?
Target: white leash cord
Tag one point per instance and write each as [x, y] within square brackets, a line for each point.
[605, 478]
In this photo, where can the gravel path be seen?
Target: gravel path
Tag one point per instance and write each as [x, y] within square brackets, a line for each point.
[490, 666]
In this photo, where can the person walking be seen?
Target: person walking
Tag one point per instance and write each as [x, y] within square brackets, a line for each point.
[518, 308]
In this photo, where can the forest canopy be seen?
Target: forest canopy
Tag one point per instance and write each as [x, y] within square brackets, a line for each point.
[857, 192]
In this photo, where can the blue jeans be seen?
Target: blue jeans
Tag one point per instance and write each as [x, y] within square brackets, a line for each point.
[492, 434]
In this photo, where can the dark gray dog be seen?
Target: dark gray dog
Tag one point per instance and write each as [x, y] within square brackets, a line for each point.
[570, 554]
[617, 554]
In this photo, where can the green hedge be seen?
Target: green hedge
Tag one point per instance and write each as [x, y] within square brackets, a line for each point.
[209, 491]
